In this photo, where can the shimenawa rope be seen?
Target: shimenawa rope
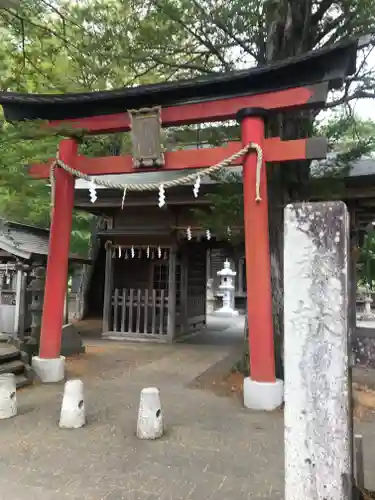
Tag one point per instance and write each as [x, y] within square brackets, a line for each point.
[152, 186]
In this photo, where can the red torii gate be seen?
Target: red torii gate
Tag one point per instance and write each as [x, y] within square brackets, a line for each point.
[248, 95]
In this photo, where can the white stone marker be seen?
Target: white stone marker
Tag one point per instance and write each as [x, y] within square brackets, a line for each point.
[72, 415]
[150, 417]
[8, 397]
[317, 391]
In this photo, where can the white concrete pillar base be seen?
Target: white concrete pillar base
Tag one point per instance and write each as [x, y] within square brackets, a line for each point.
[8, 398]
[49, 370]
[72, 415]
[150, 417]
[263, 395]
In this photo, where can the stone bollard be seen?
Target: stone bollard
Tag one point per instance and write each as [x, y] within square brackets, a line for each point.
[72, 415]
[8, 398]
[150, 417]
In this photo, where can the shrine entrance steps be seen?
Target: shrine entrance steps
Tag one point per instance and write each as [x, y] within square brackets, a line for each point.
[13, 360]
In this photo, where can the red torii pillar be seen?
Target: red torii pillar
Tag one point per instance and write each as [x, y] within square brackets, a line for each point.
[261, 390]
[49, 365]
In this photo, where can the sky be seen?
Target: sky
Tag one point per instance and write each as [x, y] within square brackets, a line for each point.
[365, 108]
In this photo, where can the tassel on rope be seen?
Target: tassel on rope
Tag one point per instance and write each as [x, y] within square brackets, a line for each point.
[52, 183]
[258, 171]
[123, 198]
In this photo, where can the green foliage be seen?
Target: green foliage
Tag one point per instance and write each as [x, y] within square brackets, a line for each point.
[66, 46]
[349, 138]
[226, 208]
[23, 199]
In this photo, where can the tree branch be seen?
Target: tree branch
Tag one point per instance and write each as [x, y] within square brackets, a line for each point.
[43, 28]
[219, 24]
[187, 65]
[322, 10]
[205, 43]
[358, 94]
[328, 27]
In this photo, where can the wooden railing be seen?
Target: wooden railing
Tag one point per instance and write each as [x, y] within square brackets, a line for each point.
[136, 311]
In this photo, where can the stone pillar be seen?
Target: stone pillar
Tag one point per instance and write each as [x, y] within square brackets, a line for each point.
[227, 288]
[36, 290]
[317, 414]
[18, 301]
[172, 282]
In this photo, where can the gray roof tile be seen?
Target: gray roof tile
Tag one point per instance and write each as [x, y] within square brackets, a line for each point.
[25, 241]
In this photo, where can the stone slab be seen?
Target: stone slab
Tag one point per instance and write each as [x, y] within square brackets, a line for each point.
[71, 341]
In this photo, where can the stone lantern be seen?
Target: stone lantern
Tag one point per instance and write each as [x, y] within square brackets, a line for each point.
[227, 288]
[367, 315]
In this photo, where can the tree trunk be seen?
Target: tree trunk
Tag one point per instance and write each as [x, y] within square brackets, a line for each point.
[287, 23]
[276, 197]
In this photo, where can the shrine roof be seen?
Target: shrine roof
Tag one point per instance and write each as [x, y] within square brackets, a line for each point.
[27, 242]
[330, 64]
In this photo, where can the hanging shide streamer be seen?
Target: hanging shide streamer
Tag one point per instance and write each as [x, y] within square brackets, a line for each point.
[197, 186]
[189, 234]
[141, 252]
[157, 186]
[92, 191]
[161, 196]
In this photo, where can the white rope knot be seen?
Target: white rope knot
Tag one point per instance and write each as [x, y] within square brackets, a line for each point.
[161, 187]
